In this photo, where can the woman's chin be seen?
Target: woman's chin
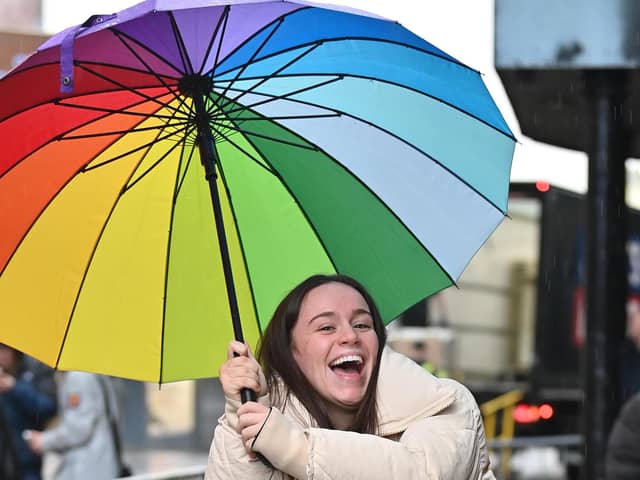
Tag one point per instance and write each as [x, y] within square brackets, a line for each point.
[348, 400]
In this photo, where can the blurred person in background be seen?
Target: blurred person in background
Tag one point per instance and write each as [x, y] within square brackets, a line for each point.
[630, 357]
[83, 438]
[27, 401]
[8, 457]
[623, 451]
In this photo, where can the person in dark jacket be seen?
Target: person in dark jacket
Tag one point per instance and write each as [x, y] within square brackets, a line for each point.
[630, 352]
[8, 457]
[623, 451]
[27, 401]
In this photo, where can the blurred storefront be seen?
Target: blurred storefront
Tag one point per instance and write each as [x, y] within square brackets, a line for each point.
[19, 31]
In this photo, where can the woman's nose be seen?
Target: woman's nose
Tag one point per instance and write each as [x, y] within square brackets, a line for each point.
[348, 335]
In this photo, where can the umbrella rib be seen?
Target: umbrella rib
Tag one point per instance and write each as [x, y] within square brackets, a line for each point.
[89, 260]
[121, 37]
[340, 112]
[129, 152]
[224, 18]
[375, 79]
[153, 165]
[365, 186]
[62, 135]
[186, 169]
[264, 78]
[267, 137]
[123, 111]
[391, 212]
[320, 41]
[177, 186]
[129, 130]
[443, 56]
[249, 155]
[186, 60]
[435, 160]
[122, 34]
[135, 91]
[123, 68]
[189, 130]
[144, 116]
[184, 57]
[278, 23]
[287, 117]
[295, 199]
[285, 96]
[65, 136]
[58, 101]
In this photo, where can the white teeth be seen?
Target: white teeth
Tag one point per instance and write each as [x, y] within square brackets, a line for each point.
[346, 358]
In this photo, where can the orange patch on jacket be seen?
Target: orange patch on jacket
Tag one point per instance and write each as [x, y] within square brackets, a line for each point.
[73, 400]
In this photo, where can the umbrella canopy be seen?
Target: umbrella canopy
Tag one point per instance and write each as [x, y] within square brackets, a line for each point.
[326, 140]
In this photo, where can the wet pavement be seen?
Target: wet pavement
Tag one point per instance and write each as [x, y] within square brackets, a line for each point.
[148, 461]
[163, 461]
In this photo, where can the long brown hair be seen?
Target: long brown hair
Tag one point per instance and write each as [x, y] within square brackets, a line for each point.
[276, 356]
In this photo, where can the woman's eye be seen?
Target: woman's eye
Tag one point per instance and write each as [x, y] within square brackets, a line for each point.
[363, 326]
[326, 328]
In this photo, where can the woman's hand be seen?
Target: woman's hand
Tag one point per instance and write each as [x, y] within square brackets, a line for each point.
[34, 440]
[241, 371]
[251, 417]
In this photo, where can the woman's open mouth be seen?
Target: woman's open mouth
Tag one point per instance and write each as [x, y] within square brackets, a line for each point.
[348, 366]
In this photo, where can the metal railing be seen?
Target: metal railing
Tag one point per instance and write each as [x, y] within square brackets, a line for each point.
[569, 449]
[502, 405]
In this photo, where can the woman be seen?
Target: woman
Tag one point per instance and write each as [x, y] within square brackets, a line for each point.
[334, 403]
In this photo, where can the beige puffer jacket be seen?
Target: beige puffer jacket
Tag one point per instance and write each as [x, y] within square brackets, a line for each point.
[430, 428]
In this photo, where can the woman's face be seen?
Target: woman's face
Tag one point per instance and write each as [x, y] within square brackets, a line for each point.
[8, 359]
[334, 343]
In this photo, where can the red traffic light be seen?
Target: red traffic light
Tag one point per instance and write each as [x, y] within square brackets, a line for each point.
[546, 411]
[542, 186]
[525, 413]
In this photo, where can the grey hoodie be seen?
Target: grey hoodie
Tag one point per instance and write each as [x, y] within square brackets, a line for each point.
[83, 436]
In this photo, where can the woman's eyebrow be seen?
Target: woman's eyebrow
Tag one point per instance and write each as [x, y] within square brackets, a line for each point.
[321, 315]
[330, 314]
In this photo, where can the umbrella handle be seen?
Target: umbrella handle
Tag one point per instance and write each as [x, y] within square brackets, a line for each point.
[247, 395]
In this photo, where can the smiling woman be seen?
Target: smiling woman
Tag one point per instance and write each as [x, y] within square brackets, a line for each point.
[336, 351]
[334, 402]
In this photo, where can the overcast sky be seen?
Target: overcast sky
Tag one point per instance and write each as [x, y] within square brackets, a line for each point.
[462, 28]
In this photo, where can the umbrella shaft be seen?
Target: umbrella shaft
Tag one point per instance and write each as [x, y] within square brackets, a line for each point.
[209, 159]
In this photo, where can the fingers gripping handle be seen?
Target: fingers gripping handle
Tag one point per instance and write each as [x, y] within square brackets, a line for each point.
[248, 395]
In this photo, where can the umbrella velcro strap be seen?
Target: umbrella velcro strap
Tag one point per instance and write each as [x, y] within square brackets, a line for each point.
[66, 50]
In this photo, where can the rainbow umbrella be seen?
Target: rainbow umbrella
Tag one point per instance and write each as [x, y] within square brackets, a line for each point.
[169, 172]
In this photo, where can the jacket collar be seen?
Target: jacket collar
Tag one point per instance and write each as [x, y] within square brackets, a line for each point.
[406, 391]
